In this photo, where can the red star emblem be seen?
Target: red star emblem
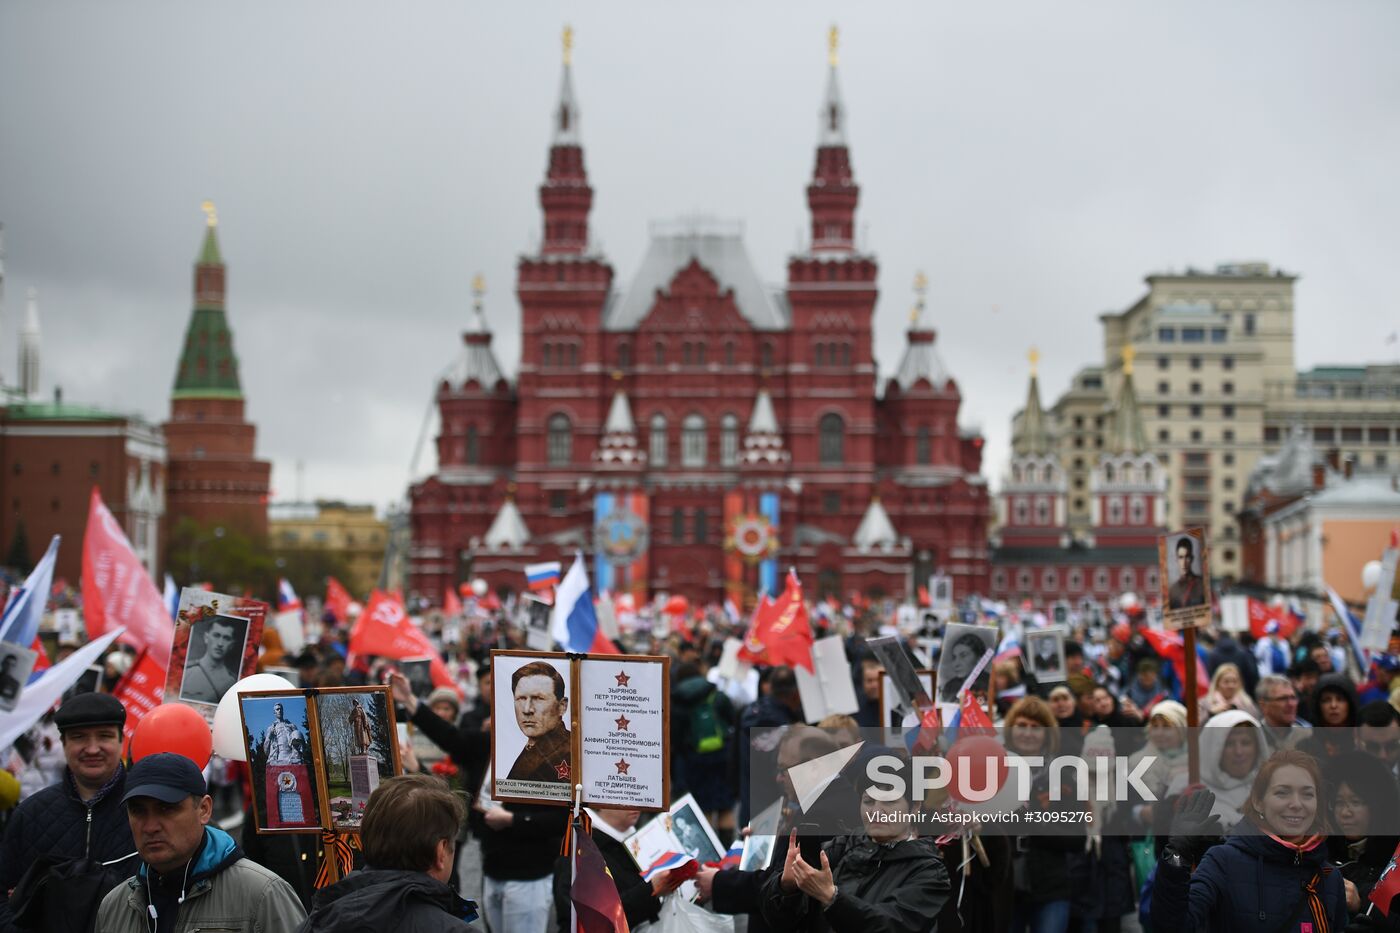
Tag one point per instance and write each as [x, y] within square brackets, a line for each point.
[622, 723]
[562, 769]
[621, 765]
[622, 678]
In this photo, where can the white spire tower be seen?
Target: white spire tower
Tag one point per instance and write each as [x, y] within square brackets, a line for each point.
[29, 343]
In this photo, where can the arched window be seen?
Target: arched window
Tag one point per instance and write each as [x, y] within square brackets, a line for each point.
[729, 353]
[1101, 579]
[1049, 581]
[560, 440]
[1015, 472]
[473, 445]
[657, 441]
[1108, 472]
[693, 441]
[573, 355]
[765, 355]
[1137, 510]
[845, 354]
[700, 354]
[1023, 580]
[624, 356]
[700, 531]
[1076, 580]
[1042, 511]
[1126, 579]
[832, 439]
[660, 353]
[677, 526]
[1021, 512]
[1147, 473]
[686, 358]
[547, 355]
[923, 446]
[1115, 510]
[729, 440]
[999, 581]
[821, 354]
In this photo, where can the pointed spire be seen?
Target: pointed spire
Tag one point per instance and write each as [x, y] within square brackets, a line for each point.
[1129, 436]
[477, 364]
[208, 364]
[833, 193]
[875, 529]
[921, 362]
[832, 119]
[1035, 435]
[763, 420]
[620, 416]
[566, 196]
[508, 531]
[30, 342]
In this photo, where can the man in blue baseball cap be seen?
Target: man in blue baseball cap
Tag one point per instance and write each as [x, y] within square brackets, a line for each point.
[192, 874]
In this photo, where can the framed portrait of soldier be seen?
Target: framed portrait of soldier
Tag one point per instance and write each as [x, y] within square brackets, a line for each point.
[1045, 654]
[16, 663]
[896, 715]
[963, 649]
[1184, 578]
[356, 749]
[277, 735]
[532, 743]
[215, 646]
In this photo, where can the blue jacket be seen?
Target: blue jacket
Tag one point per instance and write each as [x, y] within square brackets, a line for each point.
[1249, 883]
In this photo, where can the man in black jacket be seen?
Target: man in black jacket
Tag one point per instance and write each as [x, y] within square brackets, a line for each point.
[82, 815]
[409, 834]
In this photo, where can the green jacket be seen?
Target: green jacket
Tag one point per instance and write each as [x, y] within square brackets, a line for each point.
[226, 893]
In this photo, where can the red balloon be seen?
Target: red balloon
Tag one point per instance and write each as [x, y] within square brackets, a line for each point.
[677, 605]
[978, 767]
[173, 727]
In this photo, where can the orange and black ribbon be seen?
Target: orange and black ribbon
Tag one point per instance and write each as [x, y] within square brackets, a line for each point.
[340, 847]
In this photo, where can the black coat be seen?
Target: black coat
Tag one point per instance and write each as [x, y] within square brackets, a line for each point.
[375, 901]
[897, 888]
[638, 903]
[55, 821]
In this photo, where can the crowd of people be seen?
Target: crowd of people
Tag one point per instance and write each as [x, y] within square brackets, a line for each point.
[1293, 822]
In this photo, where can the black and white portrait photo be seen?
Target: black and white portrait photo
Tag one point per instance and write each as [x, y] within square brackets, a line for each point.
[214, 658]
[693, 831]
[963, 648]
[532, 750]
[1045, 654]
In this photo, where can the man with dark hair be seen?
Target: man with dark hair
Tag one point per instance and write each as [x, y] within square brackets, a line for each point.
[780, 705]
[1378, 732]
[208, 678]
[1188, 590]
[193, 876]
[540, 706]
[409, 834]
[79, 817]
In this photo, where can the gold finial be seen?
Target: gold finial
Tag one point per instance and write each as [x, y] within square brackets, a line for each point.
[568, 44]
[478, 285]
[1128, 354]
[211, 216]
[1034, 357]
[833, 40]
[920, 287]
[617, 375]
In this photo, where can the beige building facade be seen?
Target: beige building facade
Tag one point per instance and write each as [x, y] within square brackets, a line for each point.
[353, 531]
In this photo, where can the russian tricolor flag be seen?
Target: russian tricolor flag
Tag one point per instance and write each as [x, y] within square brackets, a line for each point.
[573, 622]
[287, 599]
[542, 576]
[734, 856]
[665, 861]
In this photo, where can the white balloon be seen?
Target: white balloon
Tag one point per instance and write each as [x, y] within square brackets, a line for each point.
[1128, 600]
[228, 725]
[479, 587]
[1371, 574]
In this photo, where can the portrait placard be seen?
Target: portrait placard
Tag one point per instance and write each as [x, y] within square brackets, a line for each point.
[356, 749]
[896, 715]
[1045, 654]
[16, 664]
[623, 731]
[277, 730]
[420, 675]
[1183, 559]
[693, 831]
[963, 647]
[215, 645]
[532, 747]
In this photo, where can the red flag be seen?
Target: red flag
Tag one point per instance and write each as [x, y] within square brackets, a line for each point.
[337, 600]
[117, 590]
[42, 662]
[597, 908]
[140, 690]
[384, 629]
[926, 742]
[1387, 885]
[974, 719]
[1172, 647]
[1265, 619]
[451, 605]
[781, 632]
[924, 600]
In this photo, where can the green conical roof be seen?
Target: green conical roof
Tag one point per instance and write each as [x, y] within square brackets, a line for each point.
[1129, 436]
[208, 365]
[209, 255]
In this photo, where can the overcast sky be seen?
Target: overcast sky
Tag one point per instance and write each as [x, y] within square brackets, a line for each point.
[1035, 159]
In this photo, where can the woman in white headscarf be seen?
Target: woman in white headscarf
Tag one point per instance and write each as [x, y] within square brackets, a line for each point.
[1231, 752]
[1166, 747]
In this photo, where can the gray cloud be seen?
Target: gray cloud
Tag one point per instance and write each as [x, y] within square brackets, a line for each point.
[367, 159]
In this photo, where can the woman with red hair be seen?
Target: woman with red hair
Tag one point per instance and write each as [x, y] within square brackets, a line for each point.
[1271, 873]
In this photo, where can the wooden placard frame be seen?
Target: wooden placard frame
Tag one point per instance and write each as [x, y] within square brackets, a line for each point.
[316, 749]
[575, 721]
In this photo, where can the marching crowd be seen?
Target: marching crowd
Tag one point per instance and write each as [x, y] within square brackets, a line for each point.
[1292, 824]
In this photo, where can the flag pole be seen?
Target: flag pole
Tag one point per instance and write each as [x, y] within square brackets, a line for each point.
[1193, 749]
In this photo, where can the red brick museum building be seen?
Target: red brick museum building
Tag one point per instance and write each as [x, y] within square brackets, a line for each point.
[696, 430]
